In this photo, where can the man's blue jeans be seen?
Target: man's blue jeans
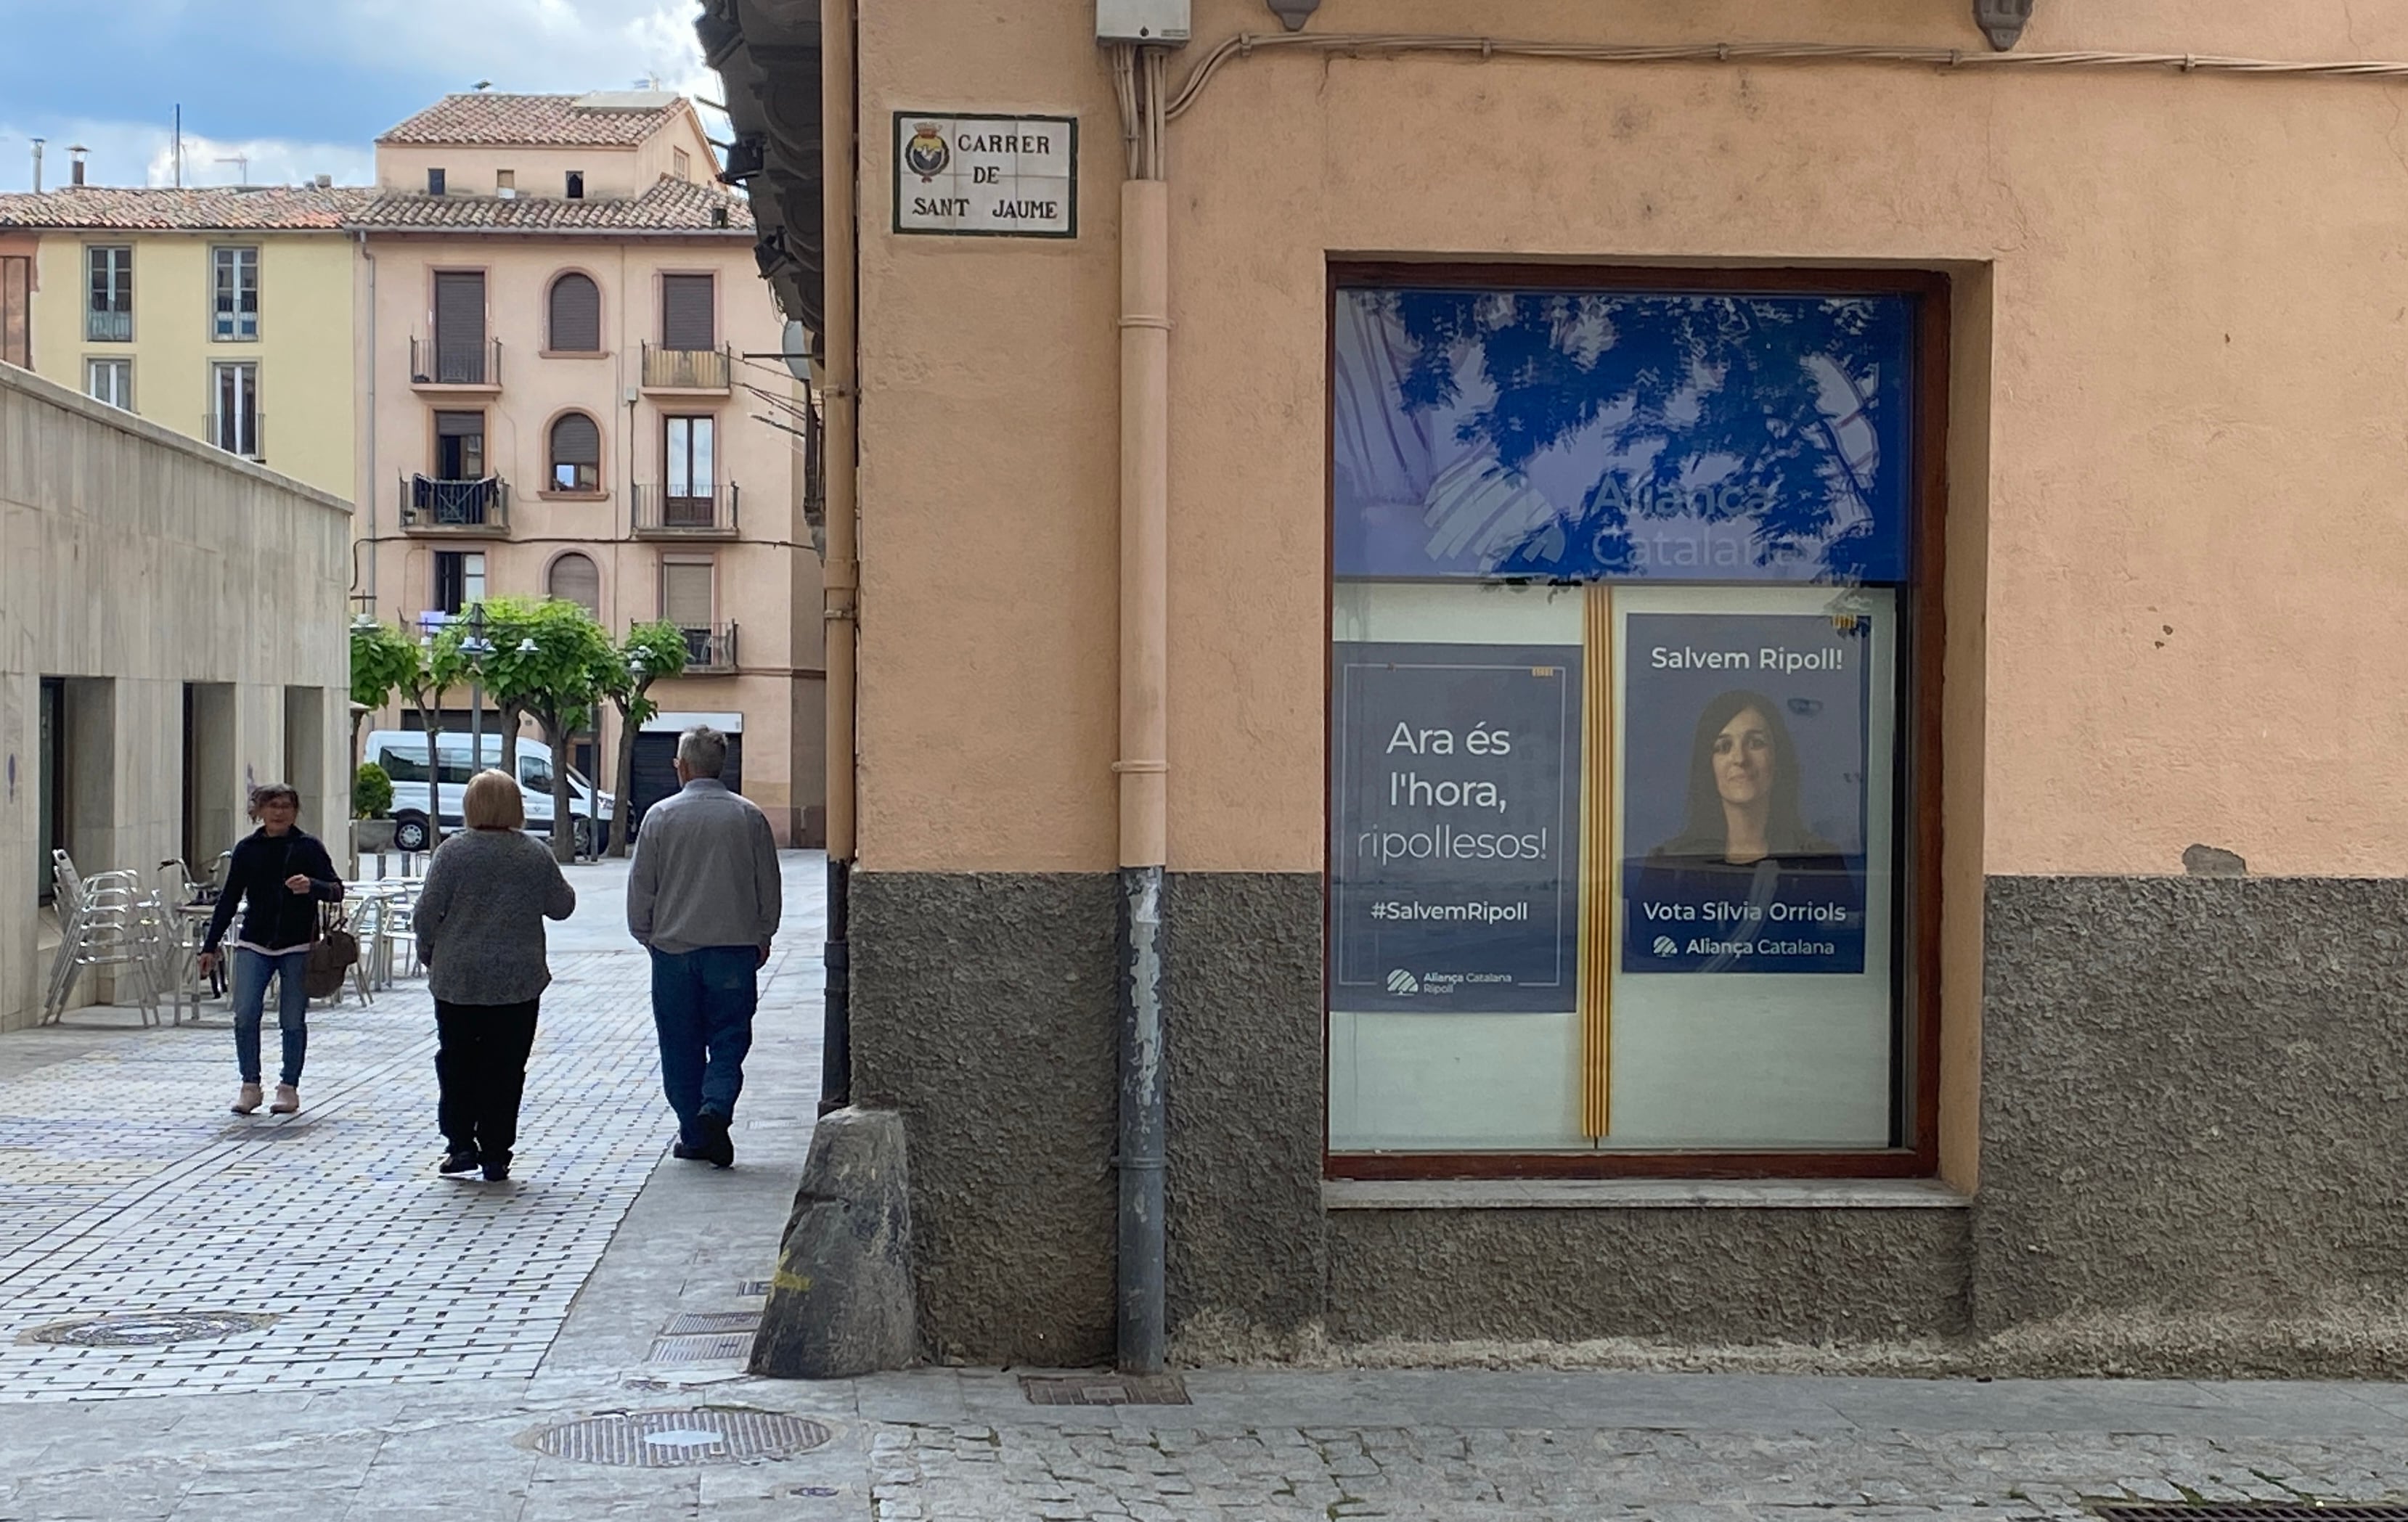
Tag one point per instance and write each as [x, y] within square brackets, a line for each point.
[251, 970]
[702, 1004]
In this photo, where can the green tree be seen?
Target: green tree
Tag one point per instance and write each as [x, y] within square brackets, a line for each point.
[650, 652]
[383, 660]
[503, 669]
[560, 663]
[434, 666]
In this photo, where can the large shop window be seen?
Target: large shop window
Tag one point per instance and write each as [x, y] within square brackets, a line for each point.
[1634, 652]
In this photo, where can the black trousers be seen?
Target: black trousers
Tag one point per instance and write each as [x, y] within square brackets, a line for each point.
[481, 1059]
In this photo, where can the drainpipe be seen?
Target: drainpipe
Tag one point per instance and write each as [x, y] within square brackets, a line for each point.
[841, 568]
[1142, 767]
[368, 257]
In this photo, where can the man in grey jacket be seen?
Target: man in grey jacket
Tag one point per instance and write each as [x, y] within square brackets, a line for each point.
[703, 898]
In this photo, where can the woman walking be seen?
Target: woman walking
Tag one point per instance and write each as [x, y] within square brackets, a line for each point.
[282, 875]
[480, 935]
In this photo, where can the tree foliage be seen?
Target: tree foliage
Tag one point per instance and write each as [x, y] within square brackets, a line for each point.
[650, 651]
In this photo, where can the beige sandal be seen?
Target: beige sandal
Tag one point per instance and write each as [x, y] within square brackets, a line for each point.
[287, 1101]
[248, 1100]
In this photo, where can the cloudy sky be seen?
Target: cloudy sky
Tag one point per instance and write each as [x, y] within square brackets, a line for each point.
[300, 86]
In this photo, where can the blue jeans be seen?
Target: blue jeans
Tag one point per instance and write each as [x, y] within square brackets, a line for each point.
[251, 972]
[702, 1004]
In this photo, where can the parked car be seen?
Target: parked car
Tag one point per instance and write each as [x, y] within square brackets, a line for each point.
[402, 753]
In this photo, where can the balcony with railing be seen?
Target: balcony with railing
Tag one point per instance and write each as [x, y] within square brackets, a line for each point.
[709, 647]
[709, 515]
[468, 509]
[438, 367]
[101, 327]
[702, 371]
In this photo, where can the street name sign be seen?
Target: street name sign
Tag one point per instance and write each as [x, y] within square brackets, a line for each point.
[972, 175]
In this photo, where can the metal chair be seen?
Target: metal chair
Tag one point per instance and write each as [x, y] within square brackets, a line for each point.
[114, 923]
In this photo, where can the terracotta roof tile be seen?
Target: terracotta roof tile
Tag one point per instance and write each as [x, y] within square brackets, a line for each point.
[621, 118]
[262, 209]
[671, 205]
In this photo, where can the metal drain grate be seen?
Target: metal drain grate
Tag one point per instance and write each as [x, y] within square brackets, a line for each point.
[696, 1323]
[131, 1329]
[754, 1286]
[1104, 1389]
[2253, 1511]
[681, 1439]
[714, 1349]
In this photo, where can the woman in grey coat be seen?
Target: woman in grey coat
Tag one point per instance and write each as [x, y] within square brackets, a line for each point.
[480, 935]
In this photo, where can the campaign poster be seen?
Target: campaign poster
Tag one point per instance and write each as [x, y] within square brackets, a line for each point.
[1744, 764]
[1454, 827]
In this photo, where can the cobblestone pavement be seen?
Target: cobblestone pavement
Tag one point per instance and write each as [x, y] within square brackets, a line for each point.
[427, 1333]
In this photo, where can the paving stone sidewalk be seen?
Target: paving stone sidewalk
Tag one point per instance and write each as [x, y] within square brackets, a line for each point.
[428, 1336]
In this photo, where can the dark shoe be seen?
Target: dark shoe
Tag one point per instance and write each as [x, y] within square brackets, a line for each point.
[683, 1153]
[717, 1145]
[497, 1172]
[457, 1165]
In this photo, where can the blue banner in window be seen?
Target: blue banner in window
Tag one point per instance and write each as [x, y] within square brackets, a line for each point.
[1454, 827]
[1618, 435]
[1744, 758]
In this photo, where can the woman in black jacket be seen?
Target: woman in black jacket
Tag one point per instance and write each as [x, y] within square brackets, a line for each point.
[285, 874]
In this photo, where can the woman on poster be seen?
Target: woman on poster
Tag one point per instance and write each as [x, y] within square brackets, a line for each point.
[1765, 893]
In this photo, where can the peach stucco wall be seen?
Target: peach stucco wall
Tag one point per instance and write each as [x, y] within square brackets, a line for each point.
[2177, 449]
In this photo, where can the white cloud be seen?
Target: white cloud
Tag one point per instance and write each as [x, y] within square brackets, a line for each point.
[143, 153]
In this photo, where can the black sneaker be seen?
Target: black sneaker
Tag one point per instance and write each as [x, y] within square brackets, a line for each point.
[458, 1165]
[683, 1153]
[497, 1172]
[718, 1149]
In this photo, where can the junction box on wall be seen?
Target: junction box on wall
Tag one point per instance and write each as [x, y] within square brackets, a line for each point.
[1142, 21]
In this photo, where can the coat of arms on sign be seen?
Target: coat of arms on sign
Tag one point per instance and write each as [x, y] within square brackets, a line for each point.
[926, 154]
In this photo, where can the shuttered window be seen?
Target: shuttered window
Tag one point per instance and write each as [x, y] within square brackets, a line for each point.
[576, 315]
[575, 579]
[685, 593]
[17, 310]
[460, 327]
[575, 454]
[686, 319]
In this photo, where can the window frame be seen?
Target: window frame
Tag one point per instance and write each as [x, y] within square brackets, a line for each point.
[218, 370]
[661, 279]
[601, 325]
[1918, 758]
[123, 365]
[550, 571]
[552, 486]
[225, 327]
[462, 558]
[121, 274]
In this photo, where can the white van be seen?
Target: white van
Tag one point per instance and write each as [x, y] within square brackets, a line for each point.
[402, 753]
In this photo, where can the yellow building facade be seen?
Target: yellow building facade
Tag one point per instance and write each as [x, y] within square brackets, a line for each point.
[225, 314]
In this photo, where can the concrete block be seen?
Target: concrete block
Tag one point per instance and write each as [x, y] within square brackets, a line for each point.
[840, 1303]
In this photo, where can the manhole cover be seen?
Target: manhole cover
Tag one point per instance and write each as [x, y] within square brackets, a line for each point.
[710, 1349]
[696, 1323]
[1104, 1389]
[2252, 1511]
[678, 1438]
[128, 1328]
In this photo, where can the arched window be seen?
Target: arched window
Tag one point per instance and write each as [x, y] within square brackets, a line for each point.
[576, 315]
[575, 453]
[575, 579]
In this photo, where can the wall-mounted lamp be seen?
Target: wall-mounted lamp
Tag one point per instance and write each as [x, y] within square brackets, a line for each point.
[2002, 21]
[1293, 13]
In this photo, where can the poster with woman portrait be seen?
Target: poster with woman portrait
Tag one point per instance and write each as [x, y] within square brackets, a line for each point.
[1744, 762]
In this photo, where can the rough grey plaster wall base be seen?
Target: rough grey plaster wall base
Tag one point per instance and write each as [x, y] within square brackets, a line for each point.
[983, 1012]
[2194, 1098]
[1245, 1046]
[1706, 1275]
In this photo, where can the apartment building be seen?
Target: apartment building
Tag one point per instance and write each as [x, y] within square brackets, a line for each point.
[223, 313]
[559, 304]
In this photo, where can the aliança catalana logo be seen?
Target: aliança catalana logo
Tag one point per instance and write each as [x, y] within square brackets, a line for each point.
[1667, 947]
[1401, 982]
[927, 155]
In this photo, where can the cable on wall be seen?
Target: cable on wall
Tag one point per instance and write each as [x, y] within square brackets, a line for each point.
[1390, 45]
